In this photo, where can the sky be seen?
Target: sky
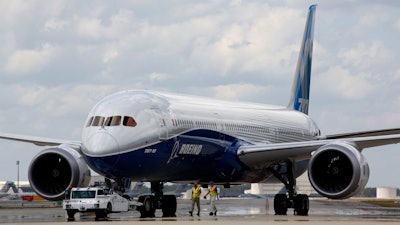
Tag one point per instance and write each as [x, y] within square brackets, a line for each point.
[58, 58]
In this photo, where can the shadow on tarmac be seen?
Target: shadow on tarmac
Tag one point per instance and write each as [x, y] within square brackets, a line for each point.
[228, 210]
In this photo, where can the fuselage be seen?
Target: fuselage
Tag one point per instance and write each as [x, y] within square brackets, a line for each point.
[153, 136]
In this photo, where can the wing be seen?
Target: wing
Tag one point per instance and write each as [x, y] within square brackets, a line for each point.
[261, 155]
[365, 133]
[39, 141]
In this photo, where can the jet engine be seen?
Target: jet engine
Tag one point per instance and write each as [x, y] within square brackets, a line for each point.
[54, 169]
[338, 170]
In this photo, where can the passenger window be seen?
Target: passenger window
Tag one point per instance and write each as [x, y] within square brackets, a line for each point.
[98, 121]
[129, 121]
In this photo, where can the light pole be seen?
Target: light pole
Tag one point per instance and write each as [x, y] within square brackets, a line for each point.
[17, 175]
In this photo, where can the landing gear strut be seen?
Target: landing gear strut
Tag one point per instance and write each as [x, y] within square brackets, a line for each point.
[299, 202]
[167, 203]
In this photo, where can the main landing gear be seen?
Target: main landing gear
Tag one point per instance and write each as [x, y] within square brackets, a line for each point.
[299, 202]
[167, 203]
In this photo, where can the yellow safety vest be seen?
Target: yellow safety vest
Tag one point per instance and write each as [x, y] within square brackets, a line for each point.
[196, 192]
[213, 190]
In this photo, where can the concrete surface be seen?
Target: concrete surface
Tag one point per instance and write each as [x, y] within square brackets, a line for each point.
[230, 212]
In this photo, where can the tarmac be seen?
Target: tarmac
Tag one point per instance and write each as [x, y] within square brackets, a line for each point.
[230, 212]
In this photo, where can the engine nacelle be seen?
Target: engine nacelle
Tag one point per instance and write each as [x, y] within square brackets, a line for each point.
[53, 170]
[338, 171]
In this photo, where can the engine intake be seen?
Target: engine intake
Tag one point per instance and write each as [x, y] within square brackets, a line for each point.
[338, 171]
[53, 170]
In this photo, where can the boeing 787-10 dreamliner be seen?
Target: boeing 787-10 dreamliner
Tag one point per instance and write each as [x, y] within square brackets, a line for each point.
[157, 137]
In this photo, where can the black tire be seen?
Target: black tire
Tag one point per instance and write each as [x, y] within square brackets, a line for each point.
[169, 205]
[102, 214]
[71, 214]
[148, 208]
[280, 204]
[127, 197]
[301, 205]
[109, 208]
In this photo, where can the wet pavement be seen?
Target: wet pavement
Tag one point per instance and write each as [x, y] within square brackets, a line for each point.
[230, 211]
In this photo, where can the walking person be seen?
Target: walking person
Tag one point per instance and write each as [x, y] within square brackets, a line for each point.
[196, 191]
[67, 192]
[214, 195]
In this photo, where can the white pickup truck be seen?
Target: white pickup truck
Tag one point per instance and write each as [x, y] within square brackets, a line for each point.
[98, 200]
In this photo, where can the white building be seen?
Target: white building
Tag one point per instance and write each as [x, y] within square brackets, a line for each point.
[386, 192]
[303, 187]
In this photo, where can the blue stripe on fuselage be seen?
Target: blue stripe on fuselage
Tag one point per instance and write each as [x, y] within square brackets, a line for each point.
[196, 155]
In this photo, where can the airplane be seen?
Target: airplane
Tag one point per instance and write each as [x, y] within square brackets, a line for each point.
[6, 187]
[158, 137]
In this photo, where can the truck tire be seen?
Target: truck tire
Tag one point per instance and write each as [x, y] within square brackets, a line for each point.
[71, 214]
[109, 208]
[102, 213]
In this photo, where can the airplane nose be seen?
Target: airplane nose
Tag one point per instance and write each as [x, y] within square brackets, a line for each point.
[101, 144]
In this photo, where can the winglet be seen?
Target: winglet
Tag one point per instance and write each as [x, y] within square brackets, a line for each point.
[301, 86]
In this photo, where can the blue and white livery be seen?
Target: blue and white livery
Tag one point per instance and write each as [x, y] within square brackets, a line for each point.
[158, 137]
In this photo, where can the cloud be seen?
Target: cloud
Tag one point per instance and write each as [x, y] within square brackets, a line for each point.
[339, 81]
[373, 17]
[397, 75]
[365, 56]
[246, 44]
[158, 77]
[110, 55]
[98, 27]
[28, 61]
[55, 24]
[57, 100]
[236, 91]
[12, 10]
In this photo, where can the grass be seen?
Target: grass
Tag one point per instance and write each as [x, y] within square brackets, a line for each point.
[391, 203]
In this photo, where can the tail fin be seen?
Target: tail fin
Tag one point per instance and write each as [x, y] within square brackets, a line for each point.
[301, 86]
[7, 186]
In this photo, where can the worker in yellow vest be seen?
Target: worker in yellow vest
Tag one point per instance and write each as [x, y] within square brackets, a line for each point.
[196, 192]
[214, 195]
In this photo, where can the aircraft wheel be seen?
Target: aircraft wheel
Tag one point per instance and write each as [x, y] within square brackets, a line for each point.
[280, 204]
[169, 205]
[149, 206]
[301, 205]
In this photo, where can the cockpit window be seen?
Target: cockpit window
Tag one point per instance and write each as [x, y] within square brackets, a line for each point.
[98, 121]
[89, 122]
[129, 121]
[113, 121]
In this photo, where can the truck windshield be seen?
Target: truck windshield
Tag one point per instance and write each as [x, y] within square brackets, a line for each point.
[83, 194]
